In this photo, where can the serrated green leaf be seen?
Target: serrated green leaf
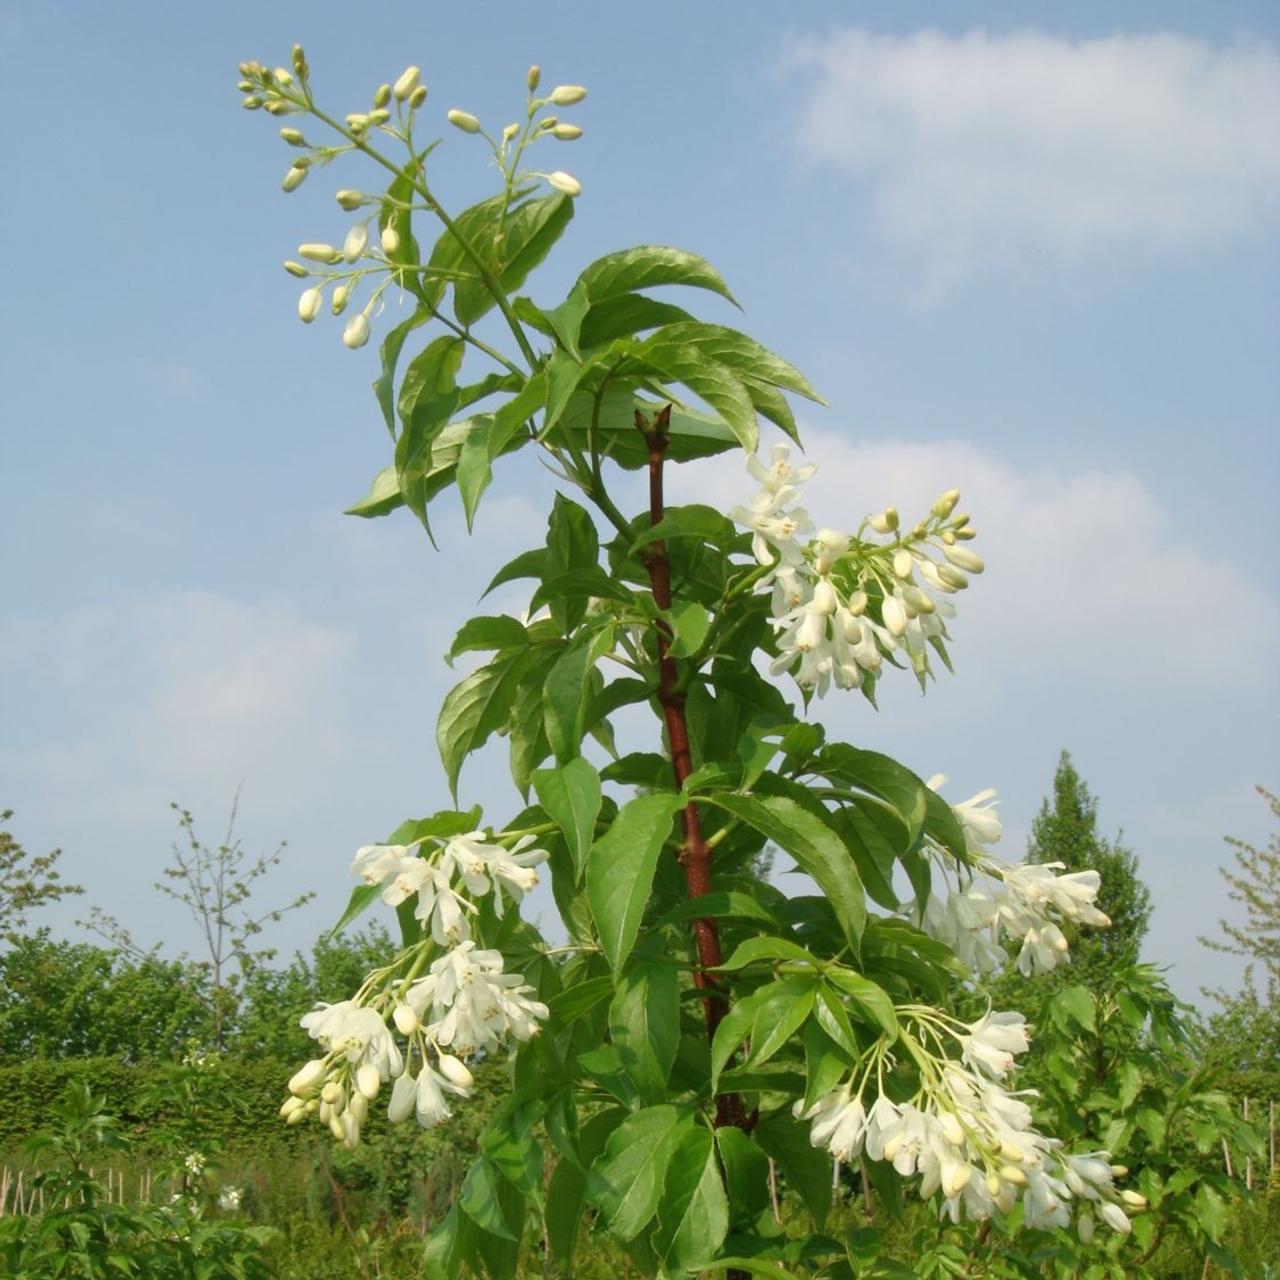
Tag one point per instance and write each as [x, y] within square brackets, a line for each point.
[474, 469]
[784, 1006]
[383, 498]
[571, 796]
[882, 776]
[647, 267]
[625, 1184]
[620, 867]
[693, 1214]
[817, 849]
[754, 950]
[644, 1025]
[714, 383]
[389, 354]
[625, 314]
[744, 355]
[476, 707]
[870, 999]
[566, 319]
[498, 631]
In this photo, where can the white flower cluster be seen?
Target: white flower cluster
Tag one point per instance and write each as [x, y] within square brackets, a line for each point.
[463, 1004]
[964, 1132]
[840, 603]
[481, 865]
[282, 92]
[1027, 901]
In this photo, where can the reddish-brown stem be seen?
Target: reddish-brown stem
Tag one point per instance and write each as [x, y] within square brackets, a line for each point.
[695, 856]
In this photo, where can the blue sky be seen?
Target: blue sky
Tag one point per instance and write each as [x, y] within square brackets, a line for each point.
[1029, 253]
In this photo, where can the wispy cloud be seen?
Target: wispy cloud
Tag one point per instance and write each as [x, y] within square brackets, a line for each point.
[987, 149]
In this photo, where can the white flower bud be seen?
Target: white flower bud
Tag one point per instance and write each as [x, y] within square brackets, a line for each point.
[334, 1094]
[405, 1019]
[1084, 1227]
[390, 240]
[418, 97]
[1133, 1199]
[858, 603]
[902, 563]
[1012, 1174]
[309, 303]
[350, 200]
[566, 132]
[336, 1127]
[282, 77]
[565, 95]
[895, 616]
[307, 1078]
[885, 521]
[357, 238]
[294, 178]
[963, 558]
[356, 334]
[952, 1130]
[952, 577]
[946, 504]
[357, 122]
[404, 1094]
[368, 1081]
[565, 182]
[297, 1117]
[917, 600]
[293, 137]
[966, 534]
[379, 115]
[510, 131]
[357, 1107]
[296, 269]
[455, 1071]
[251, 103]
[341, 296]
[409, 80]
[534, 76]
[464, 120]
[318, 252]
[825, 600]
[1116, 1218]
[959, 1179]
[383, 95]
[1119, 1170]
[291, 1105]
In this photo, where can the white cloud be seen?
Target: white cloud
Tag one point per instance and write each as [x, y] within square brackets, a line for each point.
[987, 148]
[192, 688]
[1088, 574]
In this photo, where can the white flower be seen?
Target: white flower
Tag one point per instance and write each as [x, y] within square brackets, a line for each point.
[993, 1041]
[357, 238]
[1115, 1217]
[229, 1199]
[376, 863]
[309, 303]
[356, 334]
[390, 239]
[977, 816]
[404, 1094]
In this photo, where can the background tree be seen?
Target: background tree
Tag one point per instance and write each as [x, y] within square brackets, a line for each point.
[27, 881]
[1066, 831]
[1255, 884]
[216, 885]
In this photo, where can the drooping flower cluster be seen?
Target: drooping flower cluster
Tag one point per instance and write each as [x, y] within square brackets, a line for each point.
[481, 865]
[842, 603]
[463, 1004]
[342, 270]
[1027, 901]
[963, 1131]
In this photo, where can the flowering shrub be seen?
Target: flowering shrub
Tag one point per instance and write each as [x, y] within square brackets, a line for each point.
[699, 1023]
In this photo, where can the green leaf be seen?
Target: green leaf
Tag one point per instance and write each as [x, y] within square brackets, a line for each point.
[744, 355]
[383, 497]
[756, 1267]
[806, 1169]
[528, 564]
[734, 1028]
[1077, 1004]
[563, 373]
[567, 691]
[693, 1215]
[625, 314]
[756, 949]
[719, 386]
[694, 520]
[818, 851]
[872, 853]
[363, 896]
[392, 345]
[746, 1171]
[825, 1066]
[717, 905]
[479, 1199]
[571, 796]
[783, 1008]
[474, 469]
[432, 371]
[644, 1025]
[870, 999]
[625, 1184]
[498, 631]
[620, 867]
[475, 708]
[690, 623]
[646, 267]
[882, 776]
[566, 319]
